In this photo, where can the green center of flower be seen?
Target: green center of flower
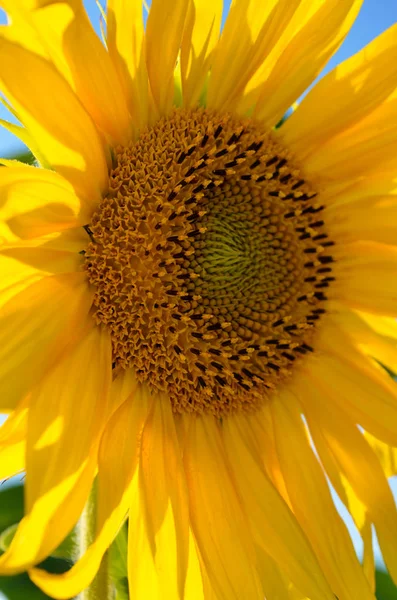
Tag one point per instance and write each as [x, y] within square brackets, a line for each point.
[209, 258]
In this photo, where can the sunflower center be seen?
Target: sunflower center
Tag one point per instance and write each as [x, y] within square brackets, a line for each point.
[209, 258]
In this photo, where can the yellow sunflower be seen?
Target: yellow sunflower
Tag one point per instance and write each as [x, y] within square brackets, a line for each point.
[196, 307]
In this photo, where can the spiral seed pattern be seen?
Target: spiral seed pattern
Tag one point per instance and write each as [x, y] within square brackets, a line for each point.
[210, 261]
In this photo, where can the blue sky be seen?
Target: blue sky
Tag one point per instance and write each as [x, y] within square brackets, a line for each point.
[375, 17]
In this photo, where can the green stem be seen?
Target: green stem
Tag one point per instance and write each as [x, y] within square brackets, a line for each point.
[101, 587]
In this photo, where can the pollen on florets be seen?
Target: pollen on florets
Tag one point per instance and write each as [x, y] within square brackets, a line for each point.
[210, 261]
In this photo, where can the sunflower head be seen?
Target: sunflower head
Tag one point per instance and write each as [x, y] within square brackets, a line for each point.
[197, 304]
[209, 261]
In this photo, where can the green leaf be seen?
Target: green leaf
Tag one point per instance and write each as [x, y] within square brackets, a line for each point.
[68, 549]
[118, 554]
[122, 589]
[6, 537]
[11, 505]
[118, 569]
[19, 587]
[385, 588]
[25, 157]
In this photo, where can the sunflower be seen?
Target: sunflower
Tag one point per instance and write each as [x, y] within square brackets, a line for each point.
[197, 307]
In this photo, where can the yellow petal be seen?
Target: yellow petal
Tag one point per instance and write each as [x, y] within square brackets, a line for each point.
[12, 456]
[25, 137]
[62, 443]
[313, 504]
[71, 241]
[64, 133]
[365, 277]
[21, 266]
[386, 327]
[124, 384]
[273, 525]
[65, 34]
[126, 43]
[194, 586]
[344, 96]
[12, 442]
[364, 211]
[15, 11]
[35, 202]
[374, 186]
[387, 455]
[251, 30]
[199, 39]
[274, 584]
[328, 461]
[119, 445]
[368, 554]
[360, 466]
[219, 525]
[164, 31]
[362, 388]
[360, 327]
[36, 326]
[362, 150]
[313, 34]
[158, 517]
[261, 429]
